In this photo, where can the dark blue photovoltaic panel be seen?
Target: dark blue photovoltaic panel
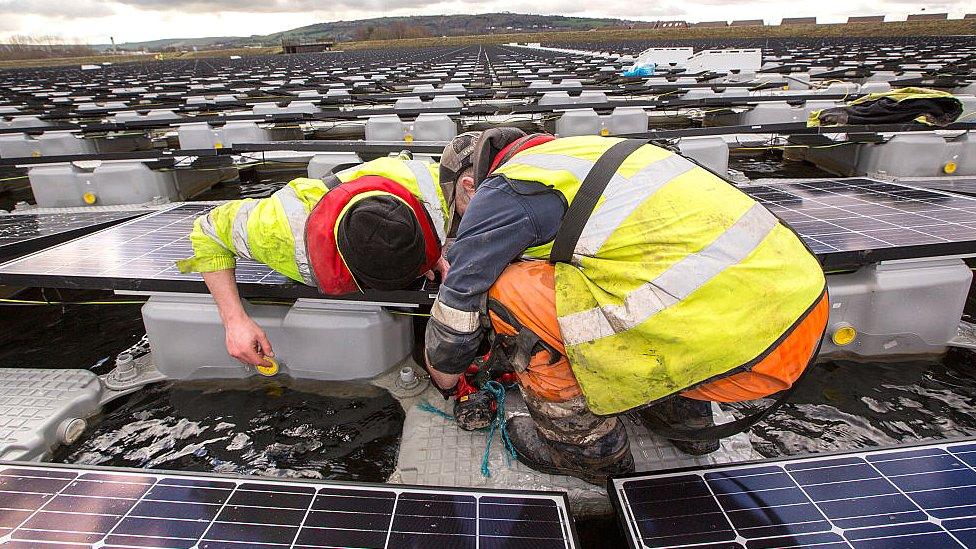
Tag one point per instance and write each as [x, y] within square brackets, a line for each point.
[845, 222]
[853, 221]
[142, 254]
[80, 507]
[144, 249]
[25, 233]
[919, 497]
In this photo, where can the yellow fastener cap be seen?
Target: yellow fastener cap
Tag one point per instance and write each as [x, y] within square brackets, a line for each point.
[950, 167]
[89, 198]
[269, 369]
[218, 145]
[408, 138]
[604, 132]
[844, 335]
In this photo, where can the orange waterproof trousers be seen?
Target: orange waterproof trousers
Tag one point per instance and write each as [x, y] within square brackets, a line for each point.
[526, 290]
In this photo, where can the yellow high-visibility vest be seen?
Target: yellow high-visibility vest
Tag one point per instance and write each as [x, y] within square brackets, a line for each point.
[678, 277]
[272, 230]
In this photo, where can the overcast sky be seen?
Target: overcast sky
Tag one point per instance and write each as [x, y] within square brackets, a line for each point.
[135, 20]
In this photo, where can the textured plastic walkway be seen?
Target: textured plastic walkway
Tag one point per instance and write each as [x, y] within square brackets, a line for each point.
[35, 404]
[434, 451]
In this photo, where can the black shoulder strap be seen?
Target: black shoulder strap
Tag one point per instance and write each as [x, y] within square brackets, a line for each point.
[590, 191]
[331, 181]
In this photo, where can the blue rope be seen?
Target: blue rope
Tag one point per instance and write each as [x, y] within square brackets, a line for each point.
[428, 407]
[498, 390]
[498, 424]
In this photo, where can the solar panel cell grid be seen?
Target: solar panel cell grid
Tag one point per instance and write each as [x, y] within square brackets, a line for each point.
[70, 508]
[148, 249]
[922, 497]
[24, 233]
[837, 216]
[14, 228]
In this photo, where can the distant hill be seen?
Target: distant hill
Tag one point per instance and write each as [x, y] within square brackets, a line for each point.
[418, 26]
[178, 43]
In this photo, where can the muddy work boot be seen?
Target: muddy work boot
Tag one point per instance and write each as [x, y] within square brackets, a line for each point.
[608, 455]
[682, 413]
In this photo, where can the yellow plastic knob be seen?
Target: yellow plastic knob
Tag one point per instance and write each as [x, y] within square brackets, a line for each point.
[269, 369]
[844, 335]
[950, 167]
[89, 198]
[408, 138]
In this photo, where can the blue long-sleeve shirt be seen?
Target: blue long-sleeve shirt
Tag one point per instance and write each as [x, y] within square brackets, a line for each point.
[504, 218]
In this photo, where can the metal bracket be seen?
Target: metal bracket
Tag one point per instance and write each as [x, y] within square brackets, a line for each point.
[129, 375]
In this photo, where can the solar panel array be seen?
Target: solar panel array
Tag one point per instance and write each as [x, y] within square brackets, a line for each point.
[855, 221]
[845, 222]
[21, 233]
[918, 497]
[144, 249]
[74, 507]
[141, 255]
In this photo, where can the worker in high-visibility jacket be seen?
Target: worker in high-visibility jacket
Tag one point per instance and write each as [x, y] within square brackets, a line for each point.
[680, 290]
[377, 225]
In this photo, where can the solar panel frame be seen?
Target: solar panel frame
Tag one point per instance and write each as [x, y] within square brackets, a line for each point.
[833, 515]
[153, 508]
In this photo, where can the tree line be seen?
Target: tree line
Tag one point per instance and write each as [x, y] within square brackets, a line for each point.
[394, 31]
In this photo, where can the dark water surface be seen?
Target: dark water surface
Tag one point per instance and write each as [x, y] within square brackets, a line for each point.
[341, 431]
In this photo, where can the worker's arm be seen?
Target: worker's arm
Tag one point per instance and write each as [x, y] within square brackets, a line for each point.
[445, 382]
[503, 219]
[245, 340]
[212, 241]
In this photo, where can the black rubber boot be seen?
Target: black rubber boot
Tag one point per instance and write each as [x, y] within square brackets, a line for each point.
[682, 413]
[608, 455]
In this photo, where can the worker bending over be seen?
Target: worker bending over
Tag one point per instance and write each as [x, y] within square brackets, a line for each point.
[665, 288]
[378, 225]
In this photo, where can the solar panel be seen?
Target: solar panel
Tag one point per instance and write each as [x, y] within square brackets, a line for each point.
[846, 222]
[851, 222]
[84, 507]
[921, 496]
[25, 233]
[141, 254]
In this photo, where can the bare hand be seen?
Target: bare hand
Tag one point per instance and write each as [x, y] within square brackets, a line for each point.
[442, 266]
[247, 342]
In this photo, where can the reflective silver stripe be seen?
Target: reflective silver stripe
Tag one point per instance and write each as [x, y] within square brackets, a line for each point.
[428, 190]
[238, 231]
[623, 196]
[294, 210]
[207, 226]
[676, 283]
[464, 322]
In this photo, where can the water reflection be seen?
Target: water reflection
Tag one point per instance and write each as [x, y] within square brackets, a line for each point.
[844, 405]
[280, 427]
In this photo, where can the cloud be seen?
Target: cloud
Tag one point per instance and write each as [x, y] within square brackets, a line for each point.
[272, 6]
[138, 20]
[59, 9]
